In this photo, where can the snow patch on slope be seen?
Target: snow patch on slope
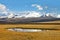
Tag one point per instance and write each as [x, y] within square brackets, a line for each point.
[33, 14]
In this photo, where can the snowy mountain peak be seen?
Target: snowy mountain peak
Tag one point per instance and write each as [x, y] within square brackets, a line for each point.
[30, 14]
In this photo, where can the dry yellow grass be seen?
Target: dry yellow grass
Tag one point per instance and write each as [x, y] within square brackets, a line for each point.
[43, 35]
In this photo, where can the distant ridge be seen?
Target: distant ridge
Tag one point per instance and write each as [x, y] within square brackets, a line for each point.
[27, 18]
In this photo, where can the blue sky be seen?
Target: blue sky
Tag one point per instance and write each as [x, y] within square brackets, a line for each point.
[26, 5]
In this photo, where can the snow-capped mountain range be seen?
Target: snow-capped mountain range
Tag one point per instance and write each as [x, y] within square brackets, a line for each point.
[28, 15]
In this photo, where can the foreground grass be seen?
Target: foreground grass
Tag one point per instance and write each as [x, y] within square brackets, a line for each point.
[43, 35]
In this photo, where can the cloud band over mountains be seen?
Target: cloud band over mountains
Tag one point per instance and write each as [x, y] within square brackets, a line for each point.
[5, 10]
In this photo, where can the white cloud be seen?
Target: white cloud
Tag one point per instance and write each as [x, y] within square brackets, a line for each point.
[3, 9]
[37, 6]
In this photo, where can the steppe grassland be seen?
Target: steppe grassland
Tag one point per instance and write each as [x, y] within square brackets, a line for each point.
[43, 35]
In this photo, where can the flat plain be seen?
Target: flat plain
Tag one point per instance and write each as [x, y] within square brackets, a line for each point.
[43, 35]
